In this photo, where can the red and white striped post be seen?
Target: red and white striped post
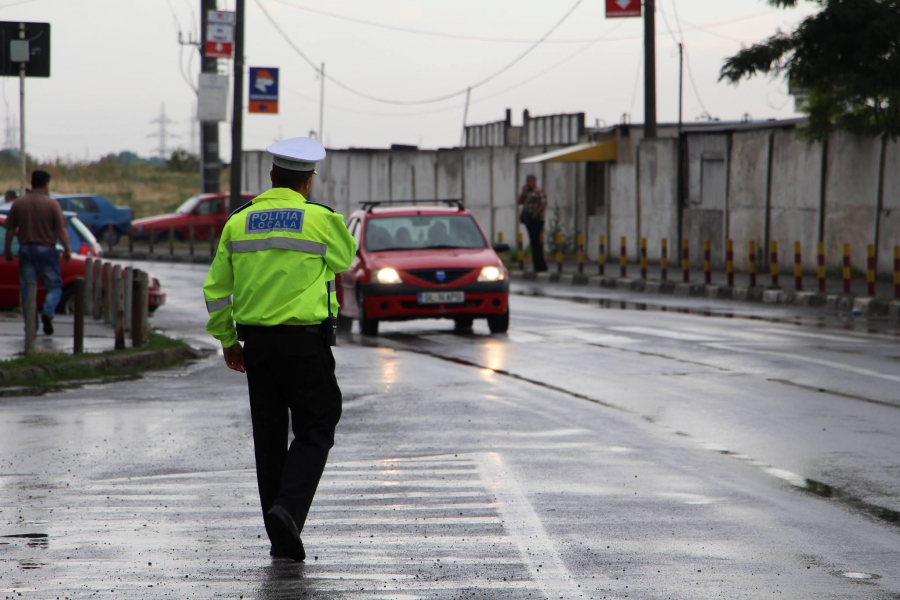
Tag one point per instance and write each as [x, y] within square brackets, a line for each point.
[686, 260]
[773, 262]
[752, 263]
[644, 258]
[798, 267]
[897, 272]
[664, 259]
[729, 262]
[581, 254]
[623, 258]
[820, 262]
[846, 270]
[707, 262]
[870, 271]
[601, 256]
[520, 243]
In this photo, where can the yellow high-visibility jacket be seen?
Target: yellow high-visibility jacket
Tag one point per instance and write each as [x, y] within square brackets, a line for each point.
[277, 259]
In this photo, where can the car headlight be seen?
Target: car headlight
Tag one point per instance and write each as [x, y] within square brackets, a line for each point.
[387, 275]
[491, 274]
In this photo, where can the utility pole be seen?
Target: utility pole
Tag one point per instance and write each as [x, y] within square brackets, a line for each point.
[680, 87]
[237, 119]
[24, 173]
[210, 163]
[322, 106]
[649, 69]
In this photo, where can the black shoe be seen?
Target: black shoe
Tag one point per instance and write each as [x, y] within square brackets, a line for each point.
[277, 552]
[48, 324]
[284, 533]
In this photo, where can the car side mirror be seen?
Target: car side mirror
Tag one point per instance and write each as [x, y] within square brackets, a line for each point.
[501, 247]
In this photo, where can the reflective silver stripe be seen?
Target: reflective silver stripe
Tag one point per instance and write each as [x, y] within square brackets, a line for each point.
[282, 243]
[217, 305]
[329, 285]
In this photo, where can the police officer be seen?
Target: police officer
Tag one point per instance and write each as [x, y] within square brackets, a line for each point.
[277, 259]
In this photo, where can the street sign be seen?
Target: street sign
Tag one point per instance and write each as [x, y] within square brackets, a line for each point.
[623, 8]
[35, 47]
[264, 90]
[212, 98]
[219, 34]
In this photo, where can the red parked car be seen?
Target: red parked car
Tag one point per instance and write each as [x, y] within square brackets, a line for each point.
[423, 262]
[207, 213]
[75, 268]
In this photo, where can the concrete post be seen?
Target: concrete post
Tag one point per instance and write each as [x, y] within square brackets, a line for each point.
[119, 308]
[144, 297]
[30, 310]
[129, 285]
[88, 284]
[96, 301]
[80, 297]
[107, 293]
[136, 330]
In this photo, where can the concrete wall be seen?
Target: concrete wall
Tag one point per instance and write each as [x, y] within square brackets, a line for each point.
[889, 218]
[477, 189]
[851, 196]
[659, 193]
[622, 212]
[796, 198]
[504, 193]
[747, 184]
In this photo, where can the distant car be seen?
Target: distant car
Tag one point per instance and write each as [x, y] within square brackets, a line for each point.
[106, 221]
[207, 214]
[81, 240]
[9, 277]
[423, 262]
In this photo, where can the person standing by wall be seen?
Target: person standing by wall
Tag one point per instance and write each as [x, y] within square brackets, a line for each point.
[10, 196]
[40, 223]
[534, 201]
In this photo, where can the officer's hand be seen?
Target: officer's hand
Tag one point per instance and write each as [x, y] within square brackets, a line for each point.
[67, 256]
[234, 358]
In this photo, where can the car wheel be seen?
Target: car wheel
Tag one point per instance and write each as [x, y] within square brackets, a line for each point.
[499, 323]
[109, 235]
[464, 323]
[66, 304]
[368, 326]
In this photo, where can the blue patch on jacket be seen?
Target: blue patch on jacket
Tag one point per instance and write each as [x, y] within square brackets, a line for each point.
[264, 221]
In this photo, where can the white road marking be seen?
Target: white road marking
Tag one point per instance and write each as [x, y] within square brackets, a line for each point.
[663, 333]
[524, 526]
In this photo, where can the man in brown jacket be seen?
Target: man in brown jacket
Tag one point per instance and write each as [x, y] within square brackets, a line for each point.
[40, 223]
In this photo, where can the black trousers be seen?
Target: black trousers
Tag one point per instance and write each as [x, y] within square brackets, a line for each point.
[291, 373]
[535, 228]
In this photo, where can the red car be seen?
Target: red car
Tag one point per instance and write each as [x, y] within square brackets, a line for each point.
[207, 213]
[422, 262]
[75, 268]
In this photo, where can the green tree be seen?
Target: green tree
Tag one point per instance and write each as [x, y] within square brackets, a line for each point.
[183, 161]
[845, 59]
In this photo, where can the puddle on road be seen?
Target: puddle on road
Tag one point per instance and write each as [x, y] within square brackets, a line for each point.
[35, 540]
[858, 575]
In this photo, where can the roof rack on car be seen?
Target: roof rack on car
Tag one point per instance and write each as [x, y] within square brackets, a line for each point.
[368, 205]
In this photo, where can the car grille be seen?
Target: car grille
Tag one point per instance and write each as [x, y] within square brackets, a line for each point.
[430, 275]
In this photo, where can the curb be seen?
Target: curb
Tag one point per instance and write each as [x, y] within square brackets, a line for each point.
[143, 360]
[196, 260]
[881, 307]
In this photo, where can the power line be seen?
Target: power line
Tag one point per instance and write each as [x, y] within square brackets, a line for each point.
[687, 57]
[478, 84]
[478, 38]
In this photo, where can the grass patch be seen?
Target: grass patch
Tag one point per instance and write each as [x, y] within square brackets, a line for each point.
[46, 370]
[146, 189]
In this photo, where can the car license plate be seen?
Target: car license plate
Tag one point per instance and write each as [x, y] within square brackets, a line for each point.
[441, 297]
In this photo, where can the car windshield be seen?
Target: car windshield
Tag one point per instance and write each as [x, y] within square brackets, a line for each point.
[189, 205]
[83, 232]
[419, 232]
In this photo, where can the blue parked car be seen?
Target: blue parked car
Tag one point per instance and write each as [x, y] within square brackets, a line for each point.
[105, 220]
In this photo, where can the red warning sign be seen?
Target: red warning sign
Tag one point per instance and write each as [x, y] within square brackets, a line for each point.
[623, 8]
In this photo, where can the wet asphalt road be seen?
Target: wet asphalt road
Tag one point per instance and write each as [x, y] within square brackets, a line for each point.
[590, 453]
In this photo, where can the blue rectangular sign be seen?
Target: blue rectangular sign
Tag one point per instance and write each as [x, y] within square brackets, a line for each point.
[264, 90]
[264, 221]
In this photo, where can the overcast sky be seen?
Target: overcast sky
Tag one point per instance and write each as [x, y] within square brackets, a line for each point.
[115, 62]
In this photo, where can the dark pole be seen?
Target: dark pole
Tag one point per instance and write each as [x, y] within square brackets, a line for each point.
[680, 87]
[649, 69]
[237, 119]
[210, 163]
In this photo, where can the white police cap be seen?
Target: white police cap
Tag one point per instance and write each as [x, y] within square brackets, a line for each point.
[297, 154]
